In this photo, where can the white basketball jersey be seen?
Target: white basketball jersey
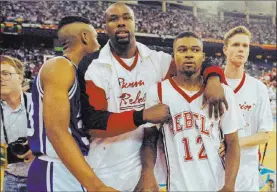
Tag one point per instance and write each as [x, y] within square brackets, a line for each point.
[192, 140]
[252, 98]
[116, 160]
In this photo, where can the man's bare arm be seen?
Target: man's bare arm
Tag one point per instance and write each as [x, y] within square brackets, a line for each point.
[148, 153]
[254, 140]
[57, 117]
[232, 160]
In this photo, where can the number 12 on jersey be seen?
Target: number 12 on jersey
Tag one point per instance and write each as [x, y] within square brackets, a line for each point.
[202, 152]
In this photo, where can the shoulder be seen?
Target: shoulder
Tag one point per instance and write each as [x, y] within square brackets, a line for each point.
[56, 65]
[97, 67]
[146, 51]
[253, 81]
[229, 92]
[86, 61]
[57, 70]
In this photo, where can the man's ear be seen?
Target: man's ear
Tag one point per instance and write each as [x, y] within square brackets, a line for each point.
[105, 28]
[84, 38]
[224, 50]
[21, 77]
[204, 56]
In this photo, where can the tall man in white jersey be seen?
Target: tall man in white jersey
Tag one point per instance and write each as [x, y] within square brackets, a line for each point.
[55, 134]
[115, 87]
[191, 138]
[252, 98]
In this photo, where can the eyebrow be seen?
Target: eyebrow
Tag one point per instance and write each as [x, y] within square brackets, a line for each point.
[124, 14]
[196, 46]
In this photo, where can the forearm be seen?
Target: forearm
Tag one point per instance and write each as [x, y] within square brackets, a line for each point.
[112, 124]
[102, 123]
[232, 162]
[254, 140]
[67, 149]
[149, 149]
[210, 70]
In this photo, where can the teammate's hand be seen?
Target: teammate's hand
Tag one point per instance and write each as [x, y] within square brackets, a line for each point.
[227, 189]
[215, 97]
[147, 182]
[157, 114]
[221, 149]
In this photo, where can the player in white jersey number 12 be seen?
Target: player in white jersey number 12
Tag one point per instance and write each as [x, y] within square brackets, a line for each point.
[191, 138]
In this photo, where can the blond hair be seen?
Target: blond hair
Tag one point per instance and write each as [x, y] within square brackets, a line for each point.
[234, 31]
[16, 63]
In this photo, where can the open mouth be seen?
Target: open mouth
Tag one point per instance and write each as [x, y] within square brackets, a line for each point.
[122, 33]
[189, 63]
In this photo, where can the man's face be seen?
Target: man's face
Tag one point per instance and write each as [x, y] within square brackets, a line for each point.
[237, 50]
[120, 24]
[92, 42]
[188, 55]
[10, 80]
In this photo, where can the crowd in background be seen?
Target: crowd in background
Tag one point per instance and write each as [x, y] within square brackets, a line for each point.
[149, 19]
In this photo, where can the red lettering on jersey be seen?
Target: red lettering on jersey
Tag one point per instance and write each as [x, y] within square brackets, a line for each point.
[179, 125]
[188, 156]
[245, 106]
[123, 84]
[127, 101]
[202, 153]
[188, 120]
[203, 131]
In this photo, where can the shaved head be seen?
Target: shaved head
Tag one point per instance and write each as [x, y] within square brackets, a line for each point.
[118, 5]
[69, 34]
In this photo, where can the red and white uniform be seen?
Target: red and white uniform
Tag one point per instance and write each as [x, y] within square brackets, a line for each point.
[116, 160]
[192, 139]
[252, 98]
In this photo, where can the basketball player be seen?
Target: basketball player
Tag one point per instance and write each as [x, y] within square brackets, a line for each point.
[253, 100]
[55, 135]
[116, 84]
[191, 138]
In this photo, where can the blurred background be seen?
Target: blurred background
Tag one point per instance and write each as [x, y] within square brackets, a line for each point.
[29, 32]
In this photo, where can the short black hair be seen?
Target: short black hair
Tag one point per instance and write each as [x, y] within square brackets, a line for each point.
[187, 34]
[72, 19]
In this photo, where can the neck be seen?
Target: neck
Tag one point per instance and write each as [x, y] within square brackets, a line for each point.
[13, 100]
[192, 83]
[233, 72]
[125, 51]
[74, 55]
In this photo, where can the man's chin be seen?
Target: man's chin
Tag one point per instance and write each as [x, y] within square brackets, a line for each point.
[189, 73]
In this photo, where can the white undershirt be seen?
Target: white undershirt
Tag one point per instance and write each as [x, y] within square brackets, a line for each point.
[233, 83]
[189, 93]
[128, 61]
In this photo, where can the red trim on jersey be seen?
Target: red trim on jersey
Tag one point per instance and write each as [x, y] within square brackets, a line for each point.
[171, 70]
[97, 96]
[240, 84]
[120, 123]
[159, 86]
[215, 69]
[186, 96]
[123, 64]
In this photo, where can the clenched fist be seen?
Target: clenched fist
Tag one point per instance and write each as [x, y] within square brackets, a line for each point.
[158, 113]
